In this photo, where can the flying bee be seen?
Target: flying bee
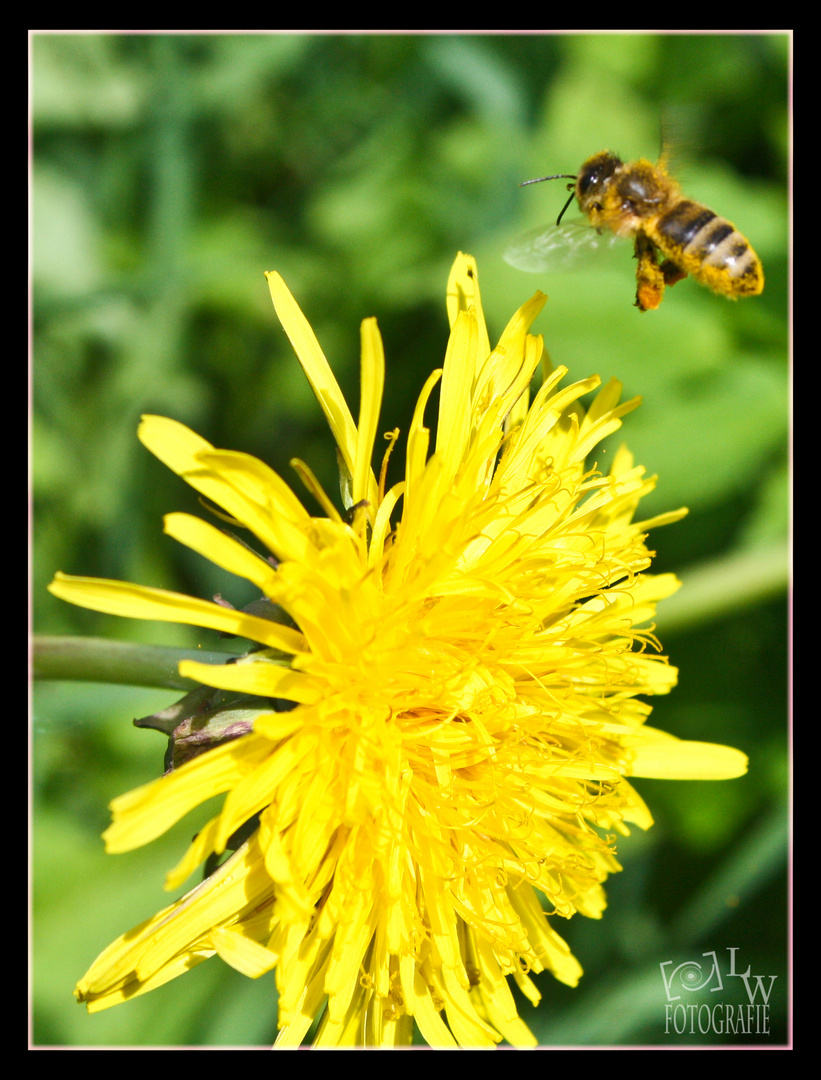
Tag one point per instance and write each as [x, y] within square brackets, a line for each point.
[642, 201]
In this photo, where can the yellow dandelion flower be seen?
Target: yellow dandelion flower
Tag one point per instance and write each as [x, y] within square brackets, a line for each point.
[465, 661]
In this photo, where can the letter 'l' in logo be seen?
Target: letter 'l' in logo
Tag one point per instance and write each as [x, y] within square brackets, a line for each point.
[752, 992]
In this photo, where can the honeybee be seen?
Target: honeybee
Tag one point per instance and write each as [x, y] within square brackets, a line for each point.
[642, 201]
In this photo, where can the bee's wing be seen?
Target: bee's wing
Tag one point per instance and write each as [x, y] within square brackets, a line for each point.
[561, 247]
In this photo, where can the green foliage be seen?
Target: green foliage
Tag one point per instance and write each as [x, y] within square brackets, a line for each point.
[169, 172]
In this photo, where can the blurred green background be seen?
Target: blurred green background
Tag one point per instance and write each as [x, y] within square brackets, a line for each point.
[168, 173]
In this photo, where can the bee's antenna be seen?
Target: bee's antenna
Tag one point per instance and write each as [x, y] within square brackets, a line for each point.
[558, 176]
[538, 180]
[569, 201]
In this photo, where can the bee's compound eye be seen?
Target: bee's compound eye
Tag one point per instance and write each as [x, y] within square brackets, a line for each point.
[594, 172]
[588, 179]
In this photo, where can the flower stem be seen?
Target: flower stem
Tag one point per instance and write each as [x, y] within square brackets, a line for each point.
[725, 586]
[100, 660]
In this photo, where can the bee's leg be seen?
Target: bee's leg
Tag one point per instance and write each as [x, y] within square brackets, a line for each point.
[650, 279]
[672, 273]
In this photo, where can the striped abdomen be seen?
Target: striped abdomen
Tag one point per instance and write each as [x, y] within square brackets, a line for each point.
[710, 248]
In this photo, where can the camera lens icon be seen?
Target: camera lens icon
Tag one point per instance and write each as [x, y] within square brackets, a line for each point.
[691, 975]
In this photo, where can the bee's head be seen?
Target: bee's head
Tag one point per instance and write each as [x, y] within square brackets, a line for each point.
[593, 176]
